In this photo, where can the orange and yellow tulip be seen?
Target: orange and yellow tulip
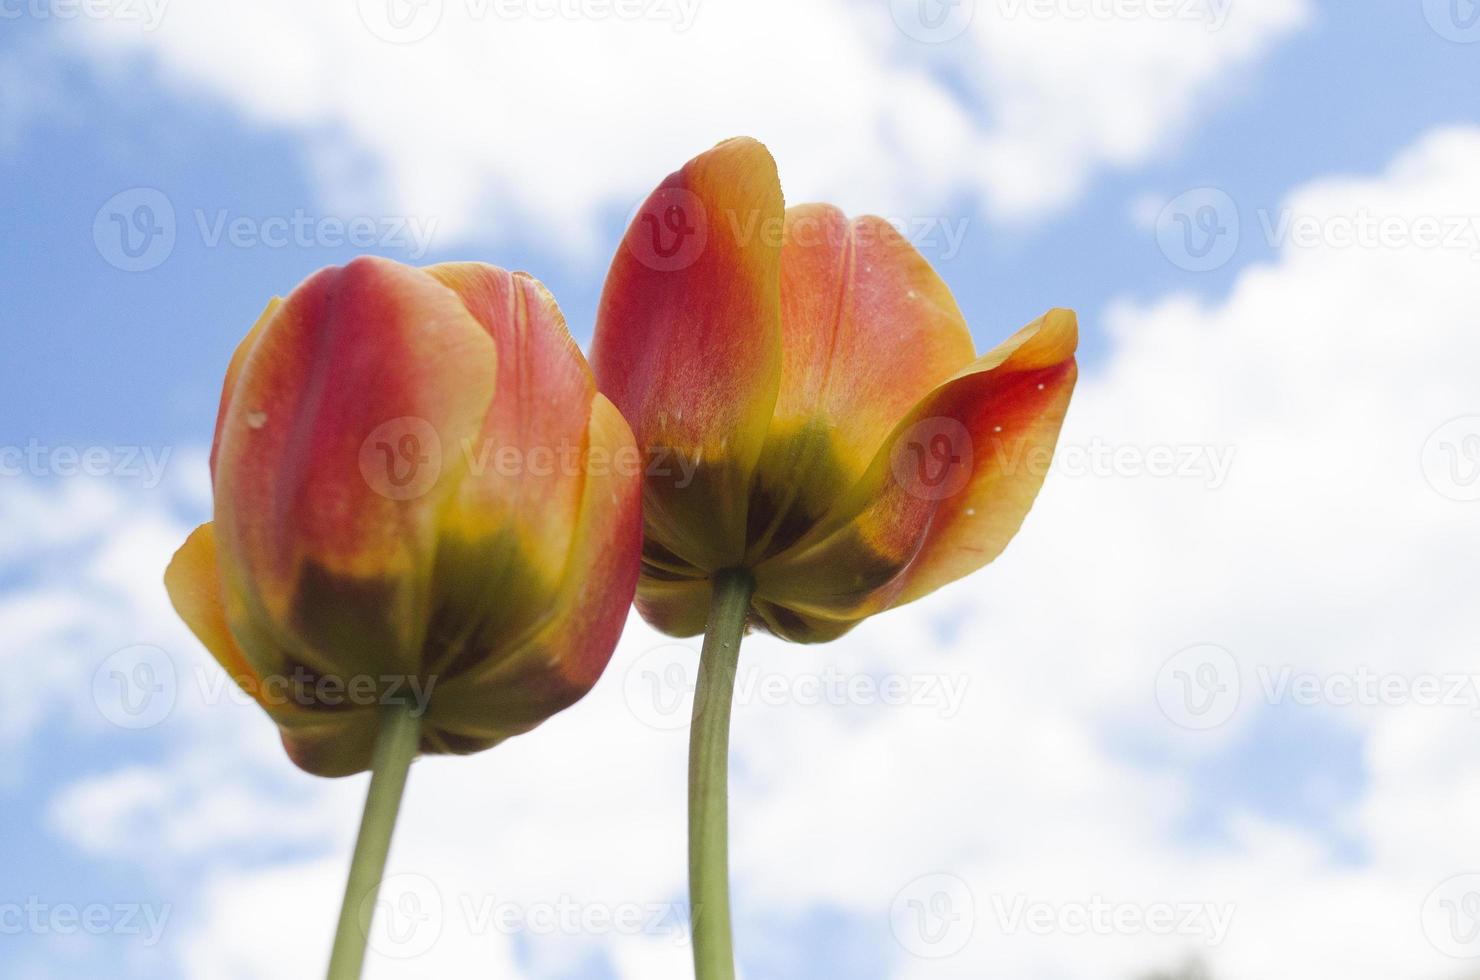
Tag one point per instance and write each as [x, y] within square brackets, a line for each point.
[418, 493]
[808, 397]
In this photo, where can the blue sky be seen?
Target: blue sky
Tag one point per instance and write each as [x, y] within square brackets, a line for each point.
[98, 356]
[1340, 97]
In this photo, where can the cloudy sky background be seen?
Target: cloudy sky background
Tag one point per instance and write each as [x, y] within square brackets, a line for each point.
[1219, 701]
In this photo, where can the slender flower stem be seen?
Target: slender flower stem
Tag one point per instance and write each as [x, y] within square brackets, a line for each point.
[709, 764]
[395, 746]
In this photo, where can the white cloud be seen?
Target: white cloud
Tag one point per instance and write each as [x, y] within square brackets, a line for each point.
[493, 124]
[1060, 782]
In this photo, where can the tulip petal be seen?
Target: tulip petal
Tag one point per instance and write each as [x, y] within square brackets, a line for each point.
[506, 538]
[688, 344]
[517, 684]
[337, 454]
[868, 329]
[944, 495]
[324, 743]
[234, 370]
[194, 586]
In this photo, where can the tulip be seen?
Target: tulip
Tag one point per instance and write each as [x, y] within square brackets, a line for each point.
[427, 524]
[843, 449]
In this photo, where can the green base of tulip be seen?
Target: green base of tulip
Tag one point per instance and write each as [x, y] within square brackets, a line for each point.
[395, 746]
[709, 737]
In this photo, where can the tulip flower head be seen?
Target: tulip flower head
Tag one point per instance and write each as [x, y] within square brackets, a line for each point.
[419, 494]
[811, 406]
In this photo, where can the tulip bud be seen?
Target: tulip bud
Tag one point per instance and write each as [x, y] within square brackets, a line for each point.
[842, 441]
[419, 495]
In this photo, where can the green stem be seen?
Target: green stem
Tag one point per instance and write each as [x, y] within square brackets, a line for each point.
[709, 737]
[396, 744]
